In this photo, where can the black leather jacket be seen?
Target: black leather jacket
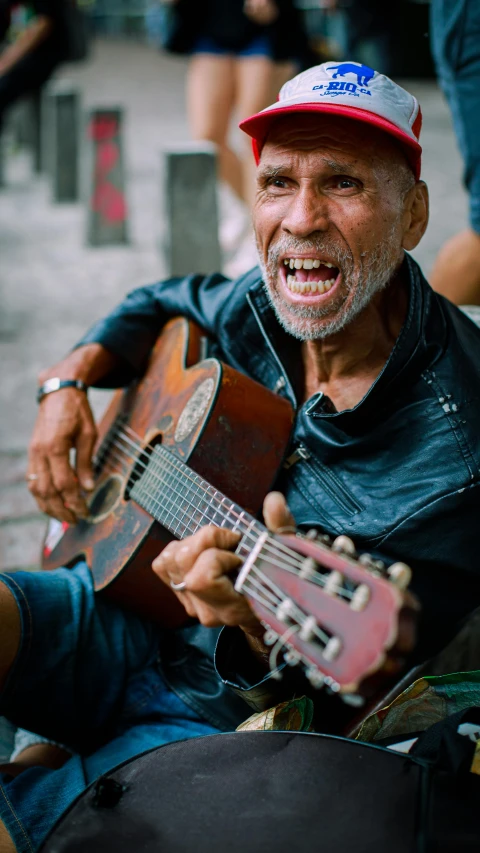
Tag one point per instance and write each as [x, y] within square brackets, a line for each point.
[399, 472]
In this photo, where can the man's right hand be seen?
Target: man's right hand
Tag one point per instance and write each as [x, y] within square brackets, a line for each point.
[65, 422]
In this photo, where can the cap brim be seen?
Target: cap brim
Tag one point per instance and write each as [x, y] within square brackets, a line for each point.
[257, 126]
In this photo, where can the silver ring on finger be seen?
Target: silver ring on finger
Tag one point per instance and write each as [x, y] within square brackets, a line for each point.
[178, 587]
[31, 477]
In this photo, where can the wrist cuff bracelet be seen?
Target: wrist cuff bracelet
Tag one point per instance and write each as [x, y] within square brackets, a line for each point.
[56, 384]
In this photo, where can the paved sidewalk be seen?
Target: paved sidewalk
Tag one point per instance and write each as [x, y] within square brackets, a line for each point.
[52, 287]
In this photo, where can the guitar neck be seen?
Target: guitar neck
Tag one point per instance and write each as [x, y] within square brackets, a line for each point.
[183, 502]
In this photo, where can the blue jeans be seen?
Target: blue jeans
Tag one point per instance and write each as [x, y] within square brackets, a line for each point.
[87, 676]
[455, 30]
[260, 45]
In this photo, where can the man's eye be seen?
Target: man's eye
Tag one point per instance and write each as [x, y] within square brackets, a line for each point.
[344, 183]
[278, 183]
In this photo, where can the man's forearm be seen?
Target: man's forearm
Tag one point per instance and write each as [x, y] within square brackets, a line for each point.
[9, 632]
[90, 363]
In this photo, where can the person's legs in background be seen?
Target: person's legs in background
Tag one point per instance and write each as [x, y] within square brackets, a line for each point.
[455, 36]
[256, 88]
[210, 103]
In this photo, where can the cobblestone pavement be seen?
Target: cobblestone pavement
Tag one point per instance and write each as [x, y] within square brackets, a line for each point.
[52, 286]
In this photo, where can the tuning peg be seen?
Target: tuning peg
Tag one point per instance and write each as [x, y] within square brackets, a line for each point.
[308, 568]
[332, 648]
[331, 685]
[360, 597]
[315, 677]
[270, 637]
[307, 631]
[333, 583]
[345, 545]
[353, 699]
[291, 657]
[312, 534]
[285, 610]
[400, 574]
[371, 563]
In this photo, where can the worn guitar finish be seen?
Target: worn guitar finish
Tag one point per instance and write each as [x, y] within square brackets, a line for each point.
[189, 424]
[230, 429]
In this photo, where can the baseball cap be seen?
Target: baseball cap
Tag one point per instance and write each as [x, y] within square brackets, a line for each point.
[347, 89]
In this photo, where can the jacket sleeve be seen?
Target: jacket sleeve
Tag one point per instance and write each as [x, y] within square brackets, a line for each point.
[238, 669]
[132, 328]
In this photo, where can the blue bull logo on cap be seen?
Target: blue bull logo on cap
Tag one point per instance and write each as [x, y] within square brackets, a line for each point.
[362, 72]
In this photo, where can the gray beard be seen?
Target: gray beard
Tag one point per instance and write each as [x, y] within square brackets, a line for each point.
[369, 278]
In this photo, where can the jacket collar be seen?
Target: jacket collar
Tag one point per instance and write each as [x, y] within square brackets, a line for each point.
[412, 350]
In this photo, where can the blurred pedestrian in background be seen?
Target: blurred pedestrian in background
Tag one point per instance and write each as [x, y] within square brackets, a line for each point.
[34, 39]
[241, 53]
[455, 38]
[234, 67]
[371, 30]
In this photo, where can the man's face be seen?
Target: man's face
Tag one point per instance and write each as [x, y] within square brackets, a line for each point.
[328, 220]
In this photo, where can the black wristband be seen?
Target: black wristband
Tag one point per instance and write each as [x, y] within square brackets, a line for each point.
[56, 384]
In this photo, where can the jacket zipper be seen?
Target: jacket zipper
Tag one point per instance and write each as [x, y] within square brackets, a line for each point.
[329, 482]
[267, 340]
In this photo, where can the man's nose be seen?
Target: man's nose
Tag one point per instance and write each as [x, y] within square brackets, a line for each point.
[306, 213]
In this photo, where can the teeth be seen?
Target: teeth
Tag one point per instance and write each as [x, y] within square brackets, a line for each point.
[309, 286]
[306, 263]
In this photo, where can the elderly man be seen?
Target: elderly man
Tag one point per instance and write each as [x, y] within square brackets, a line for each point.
[384, 378]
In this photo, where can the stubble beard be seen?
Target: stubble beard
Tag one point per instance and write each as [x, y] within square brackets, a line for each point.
[364, 281]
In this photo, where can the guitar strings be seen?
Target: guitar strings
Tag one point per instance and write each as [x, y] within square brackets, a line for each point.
[212, 491]
[272, 596]
[293, 564]
[293, 560]
[318, 578]
[183, 470]
[173, 463]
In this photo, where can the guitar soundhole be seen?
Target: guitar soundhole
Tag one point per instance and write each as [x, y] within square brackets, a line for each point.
[105, 498]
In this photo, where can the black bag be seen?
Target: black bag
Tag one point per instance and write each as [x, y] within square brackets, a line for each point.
[280, 792]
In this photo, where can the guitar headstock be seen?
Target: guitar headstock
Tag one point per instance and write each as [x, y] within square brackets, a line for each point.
[336, 612]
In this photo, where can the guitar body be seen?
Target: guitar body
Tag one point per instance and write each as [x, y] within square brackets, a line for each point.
[229, 428]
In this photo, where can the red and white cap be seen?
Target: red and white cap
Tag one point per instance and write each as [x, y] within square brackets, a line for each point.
[347, 89]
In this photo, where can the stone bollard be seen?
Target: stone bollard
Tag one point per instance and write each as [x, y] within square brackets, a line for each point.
[36, 130]
[107, 206]
[27, 122]
[3, 158]
[61, 140]
[191, 238]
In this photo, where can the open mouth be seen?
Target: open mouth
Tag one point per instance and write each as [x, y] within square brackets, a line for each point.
[312, 277]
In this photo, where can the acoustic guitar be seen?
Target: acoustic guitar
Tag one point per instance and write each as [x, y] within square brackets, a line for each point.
[171, 447]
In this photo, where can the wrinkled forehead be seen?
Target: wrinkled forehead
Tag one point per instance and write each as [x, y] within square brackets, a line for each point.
[307, 133]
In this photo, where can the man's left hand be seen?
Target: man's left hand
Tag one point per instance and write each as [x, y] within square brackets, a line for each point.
[204, 563]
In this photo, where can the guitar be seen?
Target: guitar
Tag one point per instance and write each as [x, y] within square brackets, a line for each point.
[190, 422]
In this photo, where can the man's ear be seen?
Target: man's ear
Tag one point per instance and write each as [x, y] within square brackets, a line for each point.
[415, 215]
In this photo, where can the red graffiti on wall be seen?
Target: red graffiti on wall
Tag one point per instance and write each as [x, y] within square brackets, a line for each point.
[107, 199]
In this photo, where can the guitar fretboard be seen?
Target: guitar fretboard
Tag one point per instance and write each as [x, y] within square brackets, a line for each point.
[183, 502]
